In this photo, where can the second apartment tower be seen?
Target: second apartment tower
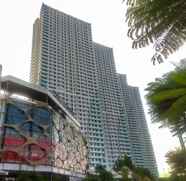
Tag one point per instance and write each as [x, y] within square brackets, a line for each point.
[81, 73]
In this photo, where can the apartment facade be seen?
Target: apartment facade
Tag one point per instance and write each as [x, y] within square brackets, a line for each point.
[141, 145]
[81, 73]
[65, 64]
[114, 117]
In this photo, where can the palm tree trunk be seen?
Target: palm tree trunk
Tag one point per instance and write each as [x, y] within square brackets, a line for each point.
[181, 141]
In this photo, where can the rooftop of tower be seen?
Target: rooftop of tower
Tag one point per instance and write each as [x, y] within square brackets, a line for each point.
[101, 45]
[45, 5]
[75, 18]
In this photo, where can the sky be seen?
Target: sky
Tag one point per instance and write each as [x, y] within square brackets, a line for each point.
[108, 28]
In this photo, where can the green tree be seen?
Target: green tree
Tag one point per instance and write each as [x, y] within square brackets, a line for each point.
[143, 174]
[166, 98]
[125, 172]
[123, 161]
[35, 176]
[177, 161]
[177, 178]
[30, 176]
[162, 22]
[124, 167]
[101, 174]
[127, 169]
[91, 177]
[164, 179]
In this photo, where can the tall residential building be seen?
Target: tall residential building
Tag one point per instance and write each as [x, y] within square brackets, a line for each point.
[63, 62]
[82, 74]
[113, 113]
[141, 146]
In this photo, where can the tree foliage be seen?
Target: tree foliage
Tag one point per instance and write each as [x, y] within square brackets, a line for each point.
[101, 174]
[143, 174]
[30, 176]
[177, 162]
[35, 176]
[124, 161]
[123, 167]
[162, 22]
[91, 177]
[125, 172]
[126, 168]
[166, 98]
[164, 179]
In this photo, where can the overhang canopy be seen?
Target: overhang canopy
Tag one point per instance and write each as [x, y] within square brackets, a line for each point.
[14, 85]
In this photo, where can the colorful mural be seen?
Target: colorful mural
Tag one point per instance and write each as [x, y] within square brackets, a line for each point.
[35, 134]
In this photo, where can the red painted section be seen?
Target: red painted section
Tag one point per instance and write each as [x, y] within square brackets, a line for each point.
[11, 156]
[14, 141]
[27, 152]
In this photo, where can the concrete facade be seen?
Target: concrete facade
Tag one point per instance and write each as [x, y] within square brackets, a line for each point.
[141, 146]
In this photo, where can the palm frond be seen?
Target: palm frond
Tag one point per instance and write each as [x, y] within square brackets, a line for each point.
[162, 22]
[176, 110]
[179, 78]
[168, 95]
[166, 98]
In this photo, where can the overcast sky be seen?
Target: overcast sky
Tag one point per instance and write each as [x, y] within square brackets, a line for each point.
[108, 28]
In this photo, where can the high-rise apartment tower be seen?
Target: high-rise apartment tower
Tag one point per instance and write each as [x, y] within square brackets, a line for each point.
[82, 74]
[141, 146]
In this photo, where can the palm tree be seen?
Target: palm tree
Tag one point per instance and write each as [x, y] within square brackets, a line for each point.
[177, 161]
[167, 101]
[162, 22]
